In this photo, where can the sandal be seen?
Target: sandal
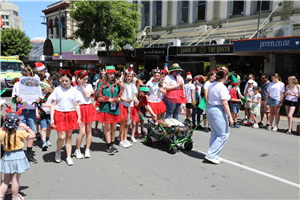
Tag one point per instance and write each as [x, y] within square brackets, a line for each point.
[269, 128]
[288, 133]
[274, 129]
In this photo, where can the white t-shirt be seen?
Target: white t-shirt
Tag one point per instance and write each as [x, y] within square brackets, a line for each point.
[206, 85]
[65, 98]
[28, 105]
[48, 102]
[198, 87]
[124, 95]
[188, 91]
[254, 84]
[255, 97]
[171, 80]
[47, 75]
[216, 92]
[155, 96]
[248, 94]
[83, 99]
[276, 89]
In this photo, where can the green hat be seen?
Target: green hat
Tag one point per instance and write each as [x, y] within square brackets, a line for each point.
[144, 89]
[175, 66]
[110, 69]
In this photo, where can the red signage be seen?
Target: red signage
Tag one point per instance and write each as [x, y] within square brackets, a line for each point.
[1, 21]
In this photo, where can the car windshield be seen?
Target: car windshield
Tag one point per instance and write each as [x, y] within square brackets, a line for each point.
[10, 67]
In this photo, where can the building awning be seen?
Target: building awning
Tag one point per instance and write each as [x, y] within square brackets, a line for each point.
[51, 46]
[263, 45]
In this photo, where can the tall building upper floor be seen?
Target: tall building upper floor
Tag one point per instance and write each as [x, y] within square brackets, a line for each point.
[10, 16]
[221, 21]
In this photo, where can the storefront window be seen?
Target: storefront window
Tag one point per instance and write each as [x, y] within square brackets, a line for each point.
[287, 64]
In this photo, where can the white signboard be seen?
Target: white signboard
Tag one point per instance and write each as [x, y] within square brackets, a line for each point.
[29, 88]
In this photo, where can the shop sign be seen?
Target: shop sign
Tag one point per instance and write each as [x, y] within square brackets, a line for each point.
[151, 51]
[288, 43]
[212, 49]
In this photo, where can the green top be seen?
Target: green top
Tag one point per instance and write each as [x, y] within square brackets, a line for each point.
[105, 106]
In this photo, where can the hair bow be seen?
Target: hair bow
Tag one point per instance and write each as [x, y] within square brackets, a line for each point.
[65, 72]
[77, 72]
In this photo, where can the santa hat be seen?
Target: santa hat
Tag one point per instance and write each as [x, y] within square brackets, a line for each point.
[110, 69]
[189, 75]
[39, 66]
[130, 71]
[198, 78]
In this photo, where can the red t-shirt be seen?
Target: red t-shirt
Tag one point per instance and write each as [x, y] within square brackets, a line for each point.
[233, 95]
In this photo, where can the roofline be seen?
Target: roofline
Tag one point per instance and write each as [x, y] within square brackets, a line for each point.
[272, 38]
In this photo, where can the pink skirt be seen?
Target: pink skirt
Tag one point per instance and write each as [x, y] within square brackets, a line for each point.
[108, 118]
[88, 113]
[176, 96]
[124, 113]
[158, 108]
[65, 121]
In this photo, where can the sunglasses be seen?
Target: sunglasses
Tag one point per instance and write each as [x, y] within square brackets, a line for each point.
[263, 77]
[163, 74]
[249, 77]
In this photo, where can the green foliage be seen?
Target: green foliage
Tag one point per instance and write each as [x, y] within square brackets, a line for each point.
[113, 22]
[15, 42]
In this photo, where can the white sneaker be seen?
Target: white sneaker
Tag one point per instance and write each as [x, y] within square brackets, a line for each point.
[69, 161]
[78, 154]
[221, 159]
[128, 143]
[57, 156]
[123, 144]
[49, 143]
[215, 161]
[255, 126]
[133, 139]
[87, 153]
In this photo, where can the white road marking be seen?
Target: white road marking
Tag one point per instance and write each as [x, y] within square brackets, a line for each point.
[255, 171]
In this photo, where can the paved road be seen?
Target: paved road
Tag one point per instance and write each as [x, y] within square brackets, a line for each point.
[258, 164]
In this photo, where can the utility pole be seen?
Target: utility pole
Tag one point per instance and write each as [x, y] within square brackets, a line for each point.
[59, 25]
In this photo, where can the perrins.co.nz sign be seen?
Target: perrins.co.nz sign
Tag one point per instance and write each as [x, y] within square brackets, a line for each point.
[211, 49]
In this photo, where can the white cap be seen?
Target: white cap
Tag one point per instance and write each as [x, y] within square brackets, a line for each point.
[250, 81]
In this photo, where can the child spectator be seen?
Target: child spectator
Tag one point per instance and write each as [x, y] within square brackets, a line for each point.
[248, 104]
[255, 109]
[189, 93]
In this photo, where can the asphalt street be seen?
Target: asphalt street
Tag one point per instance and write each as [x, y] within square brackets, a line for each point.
[258, 164]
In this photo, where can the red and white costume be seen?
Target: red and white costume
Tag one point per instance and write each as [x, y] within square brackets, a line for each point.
[155, 99]
[130, 91]
[65, 116]
[88, 111]
[177, 95]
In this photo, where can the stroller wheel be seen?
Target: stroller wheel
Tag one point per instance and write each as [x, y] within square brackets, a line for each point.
[148, 141]
[172, 150]
[188, 146]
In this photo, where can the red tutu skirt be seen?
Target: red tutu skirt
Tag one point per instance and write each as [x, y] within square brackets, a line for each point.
[176, 96]
[88, 113]
[158, 108]
[65, 121]
[124, 113]
[108, 118]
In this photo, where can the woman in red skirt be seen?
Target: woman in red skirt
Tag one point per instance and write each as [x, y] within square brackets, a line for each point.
[109, 94]
[129, 113]
[155, 100]
[65, 114]
[87, 111]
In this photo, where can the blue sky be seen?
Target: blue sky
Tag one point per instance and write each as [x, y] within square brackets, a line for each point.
[31, 12]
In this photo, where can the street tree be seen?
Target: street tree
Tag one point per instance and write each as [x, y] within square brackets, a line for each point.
[115, 23]
[15, 42]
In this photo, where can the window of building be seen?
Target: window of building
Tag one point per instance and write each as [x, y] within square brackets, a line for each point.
[201, 10]
[158, 13]
[50, 26]
[63, 22]
[238, 7]
[287, 4]
[184, 11]
[7, 23]
[264, 6]
[7, 17]
[146, 13]
[169, 13]
[3, 17]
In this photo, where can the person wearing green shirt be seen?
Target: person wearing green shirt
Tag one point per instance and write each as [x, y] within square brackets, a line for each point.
[108, 94]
